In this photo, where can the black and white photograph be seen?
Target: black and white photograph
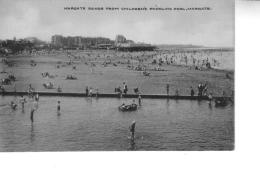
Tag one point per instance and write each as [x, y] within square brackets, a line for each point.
[81, 75]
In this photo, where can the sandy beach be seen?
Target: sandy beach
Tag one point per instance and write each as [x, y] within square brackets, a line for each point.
[107, 69]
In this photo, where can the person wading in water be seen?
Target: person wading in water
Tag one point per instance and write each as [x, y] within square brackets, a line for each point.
[132, 130]
[58, 107]
[32, 112]
[22, 100]
[139, 99]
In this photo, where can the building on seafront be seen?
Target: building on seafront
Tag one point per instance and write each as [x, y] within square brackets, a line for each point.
[120, 43]
[78, 42]
[120, 39]
[57, 40]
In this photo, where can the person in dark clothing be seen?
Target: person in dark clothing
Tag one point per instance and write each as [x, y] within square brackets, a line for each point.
[86, 91]
[136, 90]
[31, 117]
[192, 91]
[58, 106]
[200, 89]
[167, 89]
[125, 88]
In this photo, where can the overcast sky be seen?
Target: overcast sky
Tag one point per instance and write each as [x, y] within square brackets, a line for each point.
[44, 18]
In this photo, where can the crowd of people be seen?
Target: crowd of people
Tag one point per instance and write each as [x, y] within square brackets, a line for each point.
[143, 60]
[202, 89]
[196, 58]
[90, 91]
[32, 99]
[124, 90]
[137, 61]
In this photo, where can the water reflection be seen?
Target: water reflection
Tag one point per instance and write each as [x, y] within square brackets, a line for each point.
[167, 106]
[32, 133]
[210, 105]
[89, 100]
[132, 144]
[199, 102]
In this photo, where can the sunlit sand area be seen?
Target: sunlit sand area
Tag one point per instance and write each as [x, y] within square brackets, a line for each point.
[104, 70]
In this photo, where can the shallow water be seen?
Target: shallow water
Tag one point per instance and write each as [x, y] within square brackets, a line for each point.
[96, 124]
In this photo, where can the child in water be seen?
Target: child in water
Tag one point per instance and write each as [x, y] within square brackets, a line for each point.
[133, 102]
[22, 100]
[37, 97]
[13, 105]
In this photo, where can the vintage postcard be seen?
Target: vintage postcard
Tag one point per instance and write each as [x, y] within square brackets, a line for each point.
[119, 75]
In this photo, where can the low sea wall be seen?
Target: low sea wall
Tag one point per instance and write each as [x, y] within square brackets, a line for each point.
[101, 95]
